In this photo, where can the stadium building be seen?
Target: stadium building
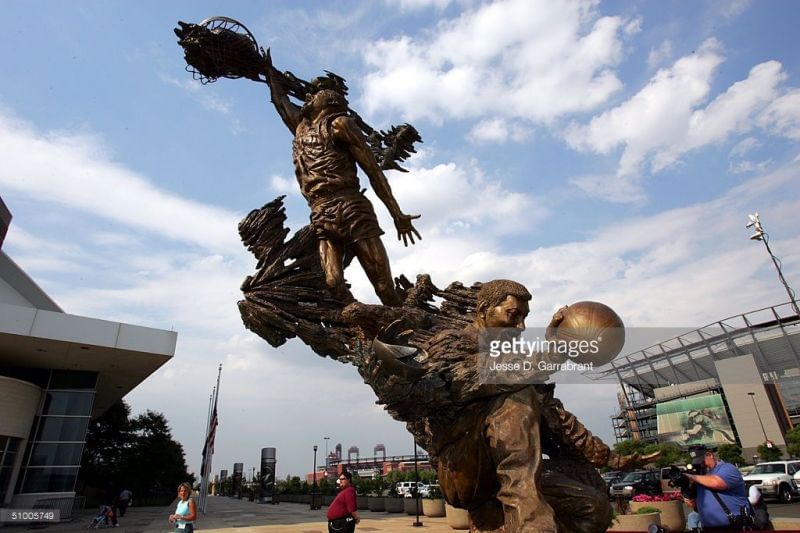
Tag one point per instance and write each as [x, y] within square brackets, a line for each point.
[734, 381]
[57, 372]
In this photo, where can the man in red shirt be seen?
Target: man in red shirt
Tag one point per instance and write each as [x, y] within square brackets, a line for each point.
[342, 514]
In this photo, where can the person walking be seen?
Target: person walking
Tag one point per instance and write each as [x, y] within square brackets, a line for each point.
[185, 512]
[342, 513]
[123, 500]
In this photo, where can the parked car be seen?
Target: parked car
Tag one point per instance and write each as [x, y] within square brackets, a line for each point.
[638, 482]
[425, 490]
[776, 479]
[612, 477]
[406, 488]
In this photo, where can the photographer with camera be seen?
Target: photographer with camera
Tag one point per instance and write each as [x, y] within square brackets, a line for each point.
[721, 496]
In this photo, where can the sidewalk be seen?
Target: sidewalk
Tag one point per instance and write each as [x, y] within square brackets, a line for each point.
[230, 515]
[224, 514]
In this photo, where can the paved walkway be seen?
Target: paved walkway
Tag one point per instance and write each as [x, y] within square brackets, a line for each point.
[240, 516]
[223, 514]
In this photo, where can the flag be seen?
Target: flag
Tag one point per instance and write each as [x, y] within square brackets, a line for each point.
[208, 447]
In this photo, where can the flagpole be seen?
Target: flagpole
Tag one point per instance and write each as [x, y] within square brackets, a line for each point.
[203, 480]
[209, 445]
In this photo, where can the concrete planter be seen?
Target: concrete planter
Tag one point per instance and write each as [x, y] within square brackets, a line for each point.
[394, 505]
[376, 504]
[433, 508]
[410, 506]
[457, 518]
[635, 522]
[672, 515]
[361, 503]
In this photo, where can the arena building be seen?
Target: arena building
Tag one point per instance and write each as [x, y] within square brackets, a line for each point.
[734, 381]
[57, 372]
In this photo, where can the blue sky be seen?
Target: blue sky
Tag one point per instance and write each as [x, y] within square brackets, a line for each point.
[606, 151]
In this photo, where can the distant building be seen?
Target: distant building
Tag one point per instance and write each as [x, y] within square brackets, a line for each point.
[58, 372]
[736, 380]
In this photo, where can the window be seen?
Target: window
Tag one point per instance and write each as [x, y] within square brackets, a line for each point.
[68, 403]
[50, 479]
[56, 454]
[8, 455]
[60, 428]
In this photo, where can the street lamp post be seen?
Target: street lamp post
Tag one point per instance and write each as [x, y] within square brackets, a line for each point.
[416, 523]
[764, 431]
[314, 505]
[763, 236]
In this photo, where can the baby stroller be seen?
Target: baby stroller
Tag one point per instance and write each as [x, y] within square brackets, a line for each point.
[100, 520]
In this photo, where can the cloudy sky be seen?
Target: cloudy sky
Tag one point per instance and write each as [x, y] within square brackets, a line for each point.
[605, 151]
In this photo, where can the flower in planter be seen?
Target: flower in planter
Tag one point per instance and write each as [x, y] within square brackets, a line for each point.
[665, 497]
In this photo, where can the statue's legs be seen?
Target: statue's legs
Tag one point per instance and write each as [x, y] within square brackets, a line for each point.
[512, 431]
[372, 256]
[578, 507]
[331, 257]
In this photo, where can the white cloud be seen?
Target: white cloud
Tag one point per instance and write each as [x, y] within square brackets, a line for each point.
[744, 146]
[782, 116]
[532, 60]
[460, 201]
[657, 114]
[417, 5]
[624, 190]
[75, 171]
[282, 185]
[660, 55]
[741, 167]
[733, 8]
[665, 120]
[497, 130]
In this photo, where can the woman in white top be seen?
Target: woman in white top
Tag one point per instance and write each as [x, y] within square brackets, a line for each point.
[185, 512]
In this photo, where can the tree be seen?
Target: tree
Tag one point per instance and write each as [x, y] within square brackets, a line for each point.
[631, 446]
[793, 441]
[769, 453]
[137, 453]
[671, 454]
[108, 439]
[731, 453]
[156, 463]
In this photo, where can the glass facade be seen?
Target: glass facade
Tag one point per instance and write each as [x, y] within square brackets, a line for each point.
[53, 454]
[9, 447]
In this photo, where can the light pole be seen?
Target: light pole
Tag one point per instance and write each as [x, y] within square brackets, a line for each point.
[763, 236]
[417, 523]
[766, 440]
[314, 486]
[327, 464]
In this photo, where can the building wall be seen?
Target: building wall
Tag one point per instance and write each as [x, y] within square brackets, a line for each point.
[740, 376]
[19, 402]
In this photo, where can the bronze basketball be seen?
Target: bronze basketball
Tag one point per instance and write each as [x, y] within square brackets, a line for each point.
[594, 329]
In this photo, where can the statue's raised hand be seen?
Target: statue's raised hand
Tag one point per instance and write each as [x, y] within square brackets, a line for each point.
[405, 229]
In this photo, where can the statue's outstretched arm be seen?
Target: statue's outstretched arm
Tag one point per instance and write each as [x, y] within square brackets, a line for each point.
[346, 130]
[279, 93]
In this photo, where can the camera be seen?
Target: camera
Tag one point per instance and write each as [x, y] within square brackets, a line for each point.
[696, 466]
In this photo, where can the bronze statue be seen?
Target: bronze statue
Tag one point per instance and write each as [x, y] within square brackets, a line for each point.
[488, 439]
[485, 439]
[328, 146]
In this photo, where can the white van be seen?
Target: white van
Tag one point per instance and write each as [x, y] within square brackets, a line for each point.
[404, 488]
